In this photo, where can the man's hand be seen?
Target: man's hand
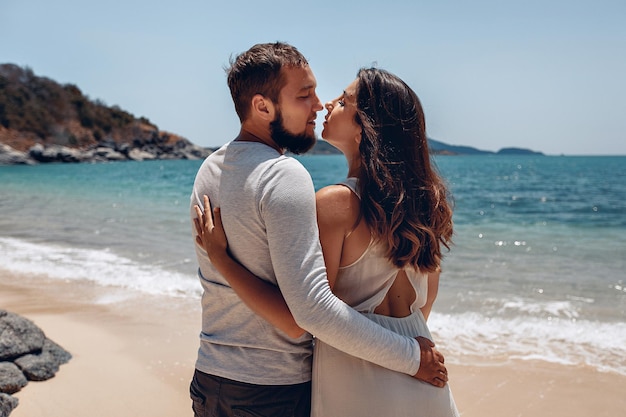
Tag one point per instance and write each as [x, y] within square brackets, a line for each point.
[432, 369]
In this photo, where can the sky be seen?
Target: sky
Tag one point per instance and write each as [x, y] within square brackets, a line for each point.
[546, 75]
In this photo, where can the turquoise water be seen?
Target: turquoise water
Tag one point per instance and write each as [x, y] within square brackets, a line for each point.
[538, 269]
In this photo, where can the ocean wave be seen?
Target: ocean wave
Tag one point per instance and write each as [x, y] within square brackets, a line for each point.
[497, 328]
[554, 308]
[468, 337]
[102, 267]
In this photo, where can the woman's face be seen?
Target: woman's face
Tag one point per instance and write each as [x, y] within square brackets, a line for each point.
[340, 128]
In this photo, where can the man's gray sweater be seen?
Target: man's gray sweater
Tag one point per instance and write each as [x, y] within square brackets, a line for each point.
[267, 202]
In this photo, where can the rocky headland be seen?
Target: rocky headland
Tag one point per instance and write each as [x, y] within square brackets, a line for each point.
[43, 121]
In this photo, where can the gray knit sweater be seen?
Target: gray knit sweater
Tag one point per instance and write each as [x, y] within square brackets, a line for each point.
[267, 202]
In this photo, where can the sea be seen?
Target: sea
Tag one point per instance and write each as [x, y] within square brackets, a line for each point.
[537, 271]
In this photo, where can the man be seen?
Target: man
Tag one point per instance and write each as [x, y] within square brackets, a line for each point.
[246, 366]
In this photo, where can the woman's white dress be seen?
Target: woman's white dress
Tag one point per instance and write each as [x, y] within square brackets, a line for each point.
[345, 386]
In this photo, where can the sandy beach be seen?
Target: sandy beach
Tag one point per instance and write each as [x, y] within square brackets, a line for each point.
[134, 356]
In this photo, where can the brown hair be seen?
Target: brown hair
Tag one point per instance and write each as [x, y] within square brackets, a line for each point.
[403, 199]
[258, 71]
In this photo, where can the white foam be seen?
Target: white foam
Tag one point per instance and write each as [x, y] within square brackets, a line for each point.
[503, 328]
[553, 308]
[569, 341]
[102, 267]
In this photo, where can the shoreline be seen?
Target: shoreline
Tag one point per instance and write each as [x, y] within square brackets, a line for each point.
[130, 358]
[134, 355]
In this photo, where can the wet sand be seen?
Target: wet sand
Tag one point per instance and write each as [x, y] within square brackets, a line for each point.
[134, 356]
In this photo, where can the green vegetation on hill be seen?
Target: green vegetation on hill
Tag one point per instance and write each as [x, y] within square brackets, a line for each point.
[43, 121]
[36, 109]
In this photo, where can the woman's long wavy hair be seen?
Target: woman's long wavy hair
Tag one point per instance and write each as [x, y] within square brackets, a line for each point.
[403, 199]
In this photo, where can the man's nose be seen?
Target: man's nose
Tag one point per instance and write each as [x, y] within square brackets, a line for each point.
[318, 104]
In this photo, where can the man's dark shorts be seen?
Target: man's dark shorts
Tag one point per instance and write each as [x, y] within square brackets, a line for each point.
[214, 396]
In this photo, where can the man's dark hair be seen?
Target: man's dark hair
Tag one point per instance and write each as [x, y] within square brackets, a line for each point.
[258, 71]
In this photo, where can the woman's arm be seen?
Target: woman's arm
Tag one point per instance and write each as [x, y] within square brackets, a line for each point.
[433, 289]
[262, 297]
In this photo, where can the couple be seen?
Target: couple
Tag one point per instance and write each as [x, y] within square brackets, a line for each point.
[362, 284]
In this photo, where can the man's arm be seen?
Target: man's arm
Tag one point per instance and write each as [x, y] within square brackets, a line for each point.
[288, 209]
[262, 297]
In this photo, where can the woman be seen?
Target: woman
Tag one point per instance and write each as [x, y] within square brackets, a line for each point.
[381, 232]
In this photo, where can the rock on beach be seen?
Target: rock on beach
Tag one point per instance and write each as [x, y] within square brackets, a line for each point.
[26, 354]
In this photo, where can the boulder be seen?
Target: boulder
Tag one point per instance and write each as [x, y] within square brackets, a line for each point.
[7, 404]
[57, 353]
[26, 354]
[18, 336]
[109, 154]
[12, 379]
[140, 149]
[137, 154]
[10, 156]
[45, 364]
[37, 367]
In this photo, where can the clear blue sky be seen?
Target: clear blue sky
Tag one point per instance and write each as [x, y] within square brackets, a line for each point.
[539, 74]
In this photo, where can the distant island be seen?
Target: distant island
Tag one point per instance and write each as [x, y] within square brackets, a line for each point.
[440, 148]
[436, 148]
[43, 121]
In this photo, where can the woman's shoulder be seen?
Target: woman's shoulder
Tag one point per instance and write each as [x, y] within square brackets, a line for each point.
[341, 192]
[335, 192]
[337, 203]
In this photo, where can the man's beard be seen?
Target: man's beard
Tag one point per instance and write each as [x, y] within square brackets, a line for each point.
[296, 144]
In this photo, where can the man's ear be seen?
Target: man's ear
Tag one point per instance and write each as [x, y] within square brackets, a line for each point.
[263, 107]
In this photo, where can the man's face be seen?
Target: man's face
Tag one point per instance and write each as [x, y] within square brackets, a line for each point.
[293, 127]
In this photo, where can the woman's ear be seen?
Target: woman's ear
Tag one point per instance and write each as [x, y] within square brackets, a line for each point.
[358, 136]
[263, 107]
